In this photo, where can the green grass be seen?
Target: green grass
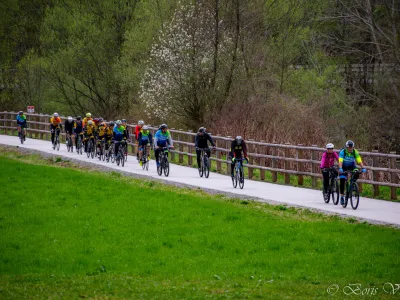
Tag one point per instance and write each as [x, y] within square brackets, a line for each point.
[69, 233]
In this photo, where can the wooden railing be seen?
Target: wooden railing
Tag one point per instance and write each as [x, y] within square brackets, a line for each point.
[383, 169]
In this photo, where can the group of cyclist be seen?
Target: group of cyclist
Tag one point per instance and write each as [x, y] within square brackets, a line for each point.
[118, 131]
[347, 159]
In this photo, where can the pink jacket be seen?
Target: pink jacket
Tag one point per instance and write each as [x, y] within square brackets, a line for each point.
[328, 160]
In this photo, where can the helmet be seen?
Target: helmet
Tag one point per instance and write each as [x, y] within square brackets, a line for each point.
[90, 122]
[349, 143]
[145, 127]
[20, 112]
[330, 146]
[88, 115]
[118, 122]
[111, 124]
[163, 126]
[55, 114]
[202, 129]
[101, 119]
[78, 118]
[239, 139]
[70, 119]
[141, 122]
[123, 120]
[96, 120]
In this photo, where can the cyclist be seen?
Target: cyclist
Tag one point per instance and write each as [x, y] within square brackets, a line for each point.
[237, 147]
[90, 132]
[145, 140]
[55, 126]
[21, 122]
[137, 131]
[348, 157]
[78, 129]
[201, 142]
[328, 161]
[118, 134]
[69, 128]
[109, 133]
[127, 128]
[101, 132]
[88, 117]
[162, 138]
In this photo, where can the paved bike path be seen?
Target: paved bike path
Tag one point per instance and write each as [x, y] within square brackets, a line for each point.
[378, 211]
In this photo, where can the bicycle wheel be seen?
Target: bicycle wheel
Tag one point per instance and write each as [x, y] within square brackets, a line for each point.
[112, 153]
[166, 166]
[122, 155]
[235, 179]
[160, 167]
[326, 199]
[201, 168]
[147, 164]
[103, 151]
[58, 144]
[335, 191]
[354, 196]
[93, 149]
[88, 149]
[126, 152]
[241, 178]
[346, 198]
[206, 167]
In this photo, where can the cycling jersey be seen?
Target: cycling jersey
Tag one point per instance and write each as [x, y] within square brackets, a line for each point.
[201, 141]
[109, 131]
[349, 159]
[86, 120]
[328, 159]
[90, 130]
[21, 120]
[118, 133]
[145, 138]
[78, 127]
[68, 126]
[236, 149]
[102, 130]
[161, 139]
[55, 121]
[138, 128]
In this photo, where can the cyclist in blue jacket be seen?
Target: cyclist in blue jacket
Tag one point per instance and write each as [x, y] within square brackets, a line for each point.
[162, 139]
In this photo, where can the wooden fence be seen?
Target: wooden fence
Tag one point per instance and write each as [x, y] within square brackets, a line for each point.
[383, 169]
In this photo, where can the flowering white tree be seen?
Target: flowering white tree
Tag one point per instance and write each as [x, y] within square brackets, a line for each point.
[180, 81]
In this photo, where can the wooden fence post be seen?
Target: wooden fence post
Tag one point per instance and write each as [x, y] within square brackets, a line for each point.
[287, 165]
[250, 149]
[190, 148]
[393, 177]
[375, 174]
[273, 164]
[228, 162]
[300, 165]
[262, 162]
[314, 166]
[180, 146]
[218, 153]
[6, 122]
[172, 153]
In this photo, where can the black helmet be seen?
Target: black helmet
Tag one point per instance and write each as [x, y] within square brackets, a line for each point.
[123, 120]
[239, 139]
[349, 143]
[20, 112]
[202, 129]
[111, 123]
[163, 126]
[79, 118]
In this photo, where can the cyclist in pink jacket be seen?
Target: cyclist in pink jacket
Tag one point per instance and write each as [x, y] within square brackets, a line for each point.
[327, 163]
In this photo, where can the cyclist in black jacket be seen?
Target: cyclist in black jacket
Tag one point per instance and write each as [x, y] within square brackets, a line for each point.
[201, 142]
[238, 147]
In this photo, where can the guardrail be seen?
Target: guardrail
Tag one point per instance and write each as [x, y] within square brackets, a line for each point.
[290, 160]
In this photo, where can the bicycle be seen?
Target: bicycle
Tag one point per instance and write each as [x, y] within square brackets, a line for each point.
[21, 134]
[120, 156]
[79, 144]
[70, 145]
[333, 188]
[100, 149]
[164, 163]
[56, 142]
[126, 151]
[238, 176]
[352, 191]
[204, 163]
[90, 150]
[145, 159]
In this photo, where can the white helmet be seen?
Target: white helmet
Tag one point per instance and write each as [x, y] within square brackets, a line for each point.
[118, 122]
[70, 119]
[55, 114]
[330, 146]
[141, 122]
[239, 139]
[145, 127]
[90, 122]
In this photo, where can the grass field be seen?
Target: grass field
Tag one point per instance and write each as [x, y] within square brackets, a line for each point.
[69, 233]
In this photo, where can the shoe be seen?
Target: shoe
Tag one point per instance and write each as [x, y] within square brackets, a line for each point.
[140, 163]
[342, 200]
